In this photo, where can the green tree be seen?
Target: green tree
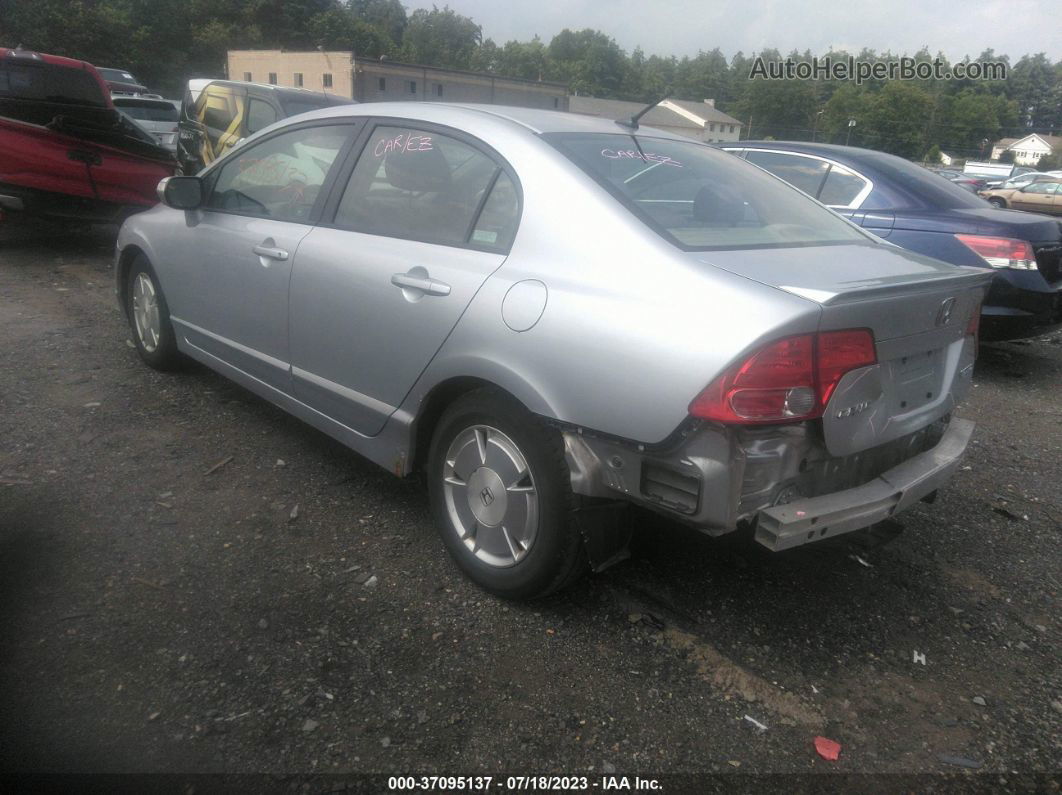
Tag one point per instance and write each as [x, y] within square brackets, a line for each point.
[441, 38]
[588, 61]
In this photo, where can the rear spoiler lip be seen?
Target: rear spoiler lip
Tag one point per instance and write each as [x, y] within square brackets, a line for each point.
[964, 278]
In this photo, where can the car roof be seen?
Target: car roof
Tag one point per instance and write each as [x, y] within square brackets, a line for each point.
[264, 86]
[468, 114]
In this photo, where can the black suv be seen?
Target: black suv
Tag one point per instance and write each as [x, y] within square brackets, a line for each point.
[218, 114]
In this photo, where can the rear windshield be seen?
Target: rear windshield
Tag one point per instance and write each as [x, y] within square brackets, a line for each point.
[117, 75]
[148, 111]
[49, 83]
[702, 198]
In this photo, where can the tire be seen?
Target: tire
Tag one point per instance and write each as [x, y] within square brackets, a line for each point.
[511, 534]
[997, 202]
[151, 328]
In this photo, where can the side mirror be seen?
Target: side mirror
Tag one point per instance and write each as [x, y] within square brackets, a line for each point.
[181, 193]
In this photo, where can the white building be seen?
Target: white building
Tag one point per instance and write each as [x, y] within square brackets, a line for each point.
[701, 121]
[1028, 150]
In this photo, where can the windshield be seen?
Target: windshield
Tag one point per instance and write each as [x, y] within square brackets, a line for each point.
[703, 198]
[148, 111]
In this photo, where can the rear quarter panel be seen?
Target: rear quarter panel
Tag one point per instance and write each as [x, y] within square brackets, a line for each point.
[632, 329]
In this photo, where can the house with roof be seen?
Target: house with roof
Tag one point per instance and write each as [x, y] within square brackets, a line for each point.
[701, 121]
[1028, 150]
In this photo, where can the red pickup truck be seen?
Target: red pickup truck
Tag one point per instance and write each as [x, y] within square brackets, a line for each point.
[65, 151]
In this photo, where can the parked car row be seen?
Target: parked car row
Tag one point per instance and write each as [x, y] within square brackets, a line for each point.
[216, 115]
[65, 149]
[91, 143]
[916, 210]
[1039, 195]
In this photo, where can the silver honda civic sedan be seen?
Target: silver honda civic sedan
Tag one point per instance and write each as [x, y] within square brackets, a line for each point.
[549, 315]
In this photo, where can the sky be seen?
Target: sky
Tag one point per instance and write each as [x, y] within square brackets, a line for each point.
[683, 27]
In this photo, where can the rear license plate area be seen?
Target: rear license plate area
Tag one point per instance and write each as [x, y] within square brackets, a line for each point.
[916, 379]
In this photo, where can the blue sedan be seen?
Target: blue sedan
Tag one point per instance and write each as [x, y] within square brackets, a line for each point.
[917, 210]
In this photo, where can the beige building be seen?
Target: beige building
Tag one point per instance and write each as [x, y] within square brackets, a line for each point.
[699, 120]
[366, 80]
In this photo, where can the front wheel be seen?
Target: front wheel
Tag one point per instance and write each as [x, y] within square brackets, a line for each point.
[501, 497]
[997, 202]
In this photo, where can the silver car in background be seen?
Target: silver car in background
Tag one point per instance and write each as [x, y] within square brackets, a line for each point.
[547, 313]
[159, 117]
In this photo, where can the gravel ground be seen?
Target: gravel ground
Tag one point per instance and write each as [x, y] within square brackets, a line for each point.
[192, 580]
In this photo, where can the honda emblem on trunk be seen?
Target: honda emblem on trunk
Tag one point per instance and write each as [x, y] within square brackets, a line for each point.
[944, 313]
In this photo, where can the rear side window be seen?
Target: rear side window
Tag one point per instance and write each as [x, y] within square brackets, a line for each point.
[496, 225]
[805, 173]
[220, 110]
[49, 83]
[425, 186]
[280, 177]
[841, 187]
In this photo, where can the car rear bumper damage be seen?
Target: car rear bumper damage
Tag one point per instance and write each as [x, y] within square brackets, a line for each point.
[780, 480]
[803, 521]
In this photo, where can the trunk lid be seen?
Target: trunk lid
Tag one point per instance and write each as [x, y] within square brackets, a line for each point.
[918, 310]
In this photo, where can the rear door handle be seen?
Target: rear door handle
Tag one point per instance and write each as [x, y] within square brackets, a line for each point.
[270, 253]
[424, 284]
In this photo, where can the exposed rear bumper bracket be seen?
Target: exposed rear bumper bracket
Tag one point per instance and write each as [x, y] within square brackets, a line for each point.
[816, 518]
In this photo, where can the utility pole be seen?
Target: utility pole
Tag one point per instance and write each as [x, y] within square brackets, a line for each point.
[848, 137]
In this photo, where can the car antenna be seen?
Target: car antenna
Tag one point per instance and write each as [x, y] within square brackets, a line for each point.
[632, 122]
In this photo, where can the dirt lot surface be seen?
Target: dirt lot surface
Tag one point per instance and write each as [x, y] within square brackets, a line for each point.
[183, 586]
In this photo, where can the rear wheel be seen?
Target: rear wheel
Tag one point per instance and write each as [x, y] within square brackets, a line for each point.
[149, 317]
[995, 201]
[501, 497]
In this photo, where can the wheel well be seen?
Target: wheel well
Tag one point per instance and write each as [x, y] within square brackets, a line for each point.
[434, 405]
[125, 262]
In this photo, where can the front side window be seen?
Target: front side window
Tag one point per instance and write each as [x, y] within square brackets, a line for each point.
[700, 197]
[259, 115]
[280, 177]
[421, 185]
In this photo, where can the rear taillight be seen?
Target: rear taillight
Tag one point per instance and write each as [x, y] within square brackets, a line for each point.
[1001, 252]
[788, 380]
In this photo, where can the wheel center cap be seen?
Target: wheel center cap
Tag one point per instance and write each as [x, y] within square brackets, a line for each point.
[487, 497]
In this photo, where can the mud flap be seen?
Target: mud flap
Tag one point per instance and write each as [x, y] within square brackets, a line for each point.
[606, 529]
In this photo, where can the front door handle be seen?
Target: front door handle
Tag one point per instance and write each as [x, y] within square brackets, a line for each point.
[408, 281]
[270, 253]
